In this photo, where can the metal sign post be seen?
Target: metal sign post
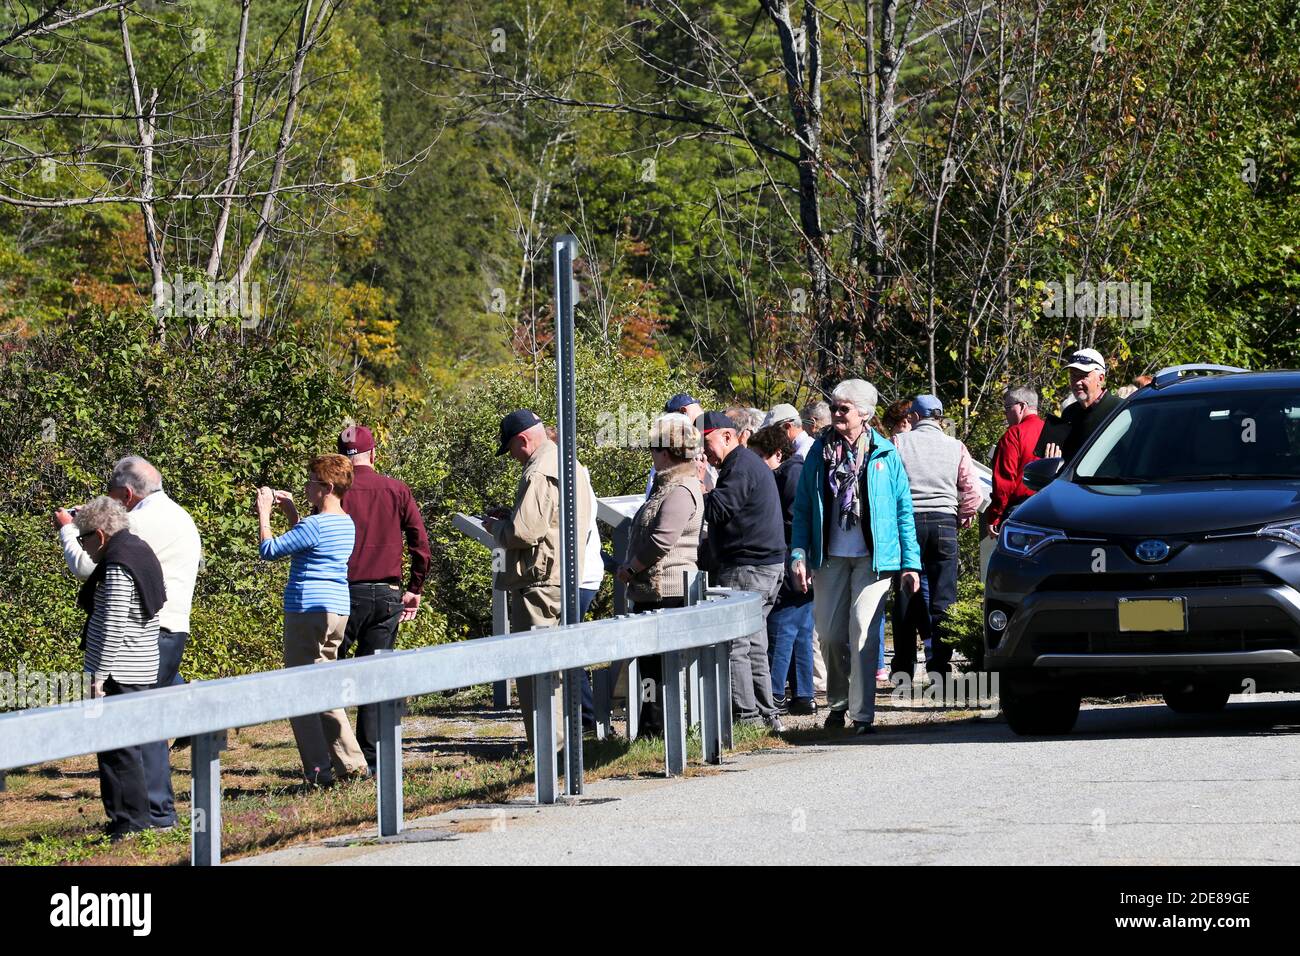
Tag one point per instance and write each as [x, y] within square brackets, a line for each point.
[564, 249]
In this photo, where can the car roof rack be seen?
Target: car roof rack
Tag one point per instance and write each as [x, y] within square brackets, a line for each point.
[1167, 376]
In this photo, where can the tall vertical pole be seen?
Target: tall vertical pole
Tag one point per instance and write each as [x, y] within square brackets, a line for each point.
[565, 249]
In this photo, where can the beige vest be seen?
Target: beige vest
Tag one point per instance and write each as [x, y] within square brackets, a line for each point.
[664, 578]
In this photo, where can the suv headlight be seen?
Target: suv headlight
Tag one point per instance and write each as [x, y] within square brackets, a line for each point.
[1023, 540]
[1288, 531]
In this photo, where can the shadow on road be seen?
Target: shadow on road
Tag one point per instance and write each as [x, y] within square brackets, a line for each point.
[1261, 717]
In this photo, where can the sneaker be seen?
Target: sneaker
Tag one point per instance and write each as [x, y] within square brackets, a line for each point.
[774, 724]
[800, 706]
[882, 676]
[782, 705]
[834, 720]
[860, 728]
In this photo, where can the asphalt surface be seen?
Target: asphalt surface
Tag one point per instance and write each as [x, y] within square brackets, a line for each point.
[1134, 784]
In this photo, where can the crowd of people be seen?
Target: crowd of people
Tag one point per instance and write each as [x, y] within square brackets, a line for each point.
[825, 512]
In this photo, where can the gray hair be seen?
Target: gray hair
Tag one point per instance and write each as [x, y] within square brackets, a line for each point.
[138, 475]
[1024, 394]
[102, 514]
[858, 391]
[815, 412]
[748, 419]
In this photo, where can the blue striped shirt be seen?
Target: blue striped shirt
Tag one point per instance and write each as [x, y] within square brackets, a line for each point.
[318, 574]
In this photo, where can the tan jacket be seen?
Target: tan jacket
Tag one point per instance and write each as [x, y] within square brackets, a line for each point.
[531, 535]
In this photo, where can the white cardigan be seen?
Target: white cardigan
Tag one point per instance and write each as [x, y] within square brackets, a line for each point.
[167, 528]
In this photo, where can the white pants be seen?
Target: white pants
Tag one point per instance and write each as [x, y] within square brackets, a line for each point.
[848, 602]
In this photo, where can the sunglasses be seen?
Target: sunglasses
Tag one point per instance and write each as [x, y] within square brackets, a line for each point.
[841, 409]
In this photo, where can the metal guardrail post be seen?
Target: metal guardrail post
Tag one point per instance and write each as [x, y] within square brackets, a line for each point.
[674, 722]
[544, 736]
[388, 756]
[723, 653]
[2, 781]
[572, 695]
[500, 625]
[205, 798]
[620, 541]
[710, 723]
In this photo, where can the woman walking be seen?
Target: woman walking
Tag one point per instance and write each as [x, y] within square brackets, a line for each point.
[853, 529]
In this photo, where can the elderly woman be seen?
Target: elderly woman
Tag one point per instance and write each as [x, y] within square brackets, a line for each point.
[853, 529]
[121, 599]
[665, 537]
[316, 605]
[790, 624]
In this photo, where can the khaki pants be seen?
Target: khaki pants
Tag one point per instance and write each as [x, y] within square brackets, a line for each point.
[848, 600]
[326, 740]
[533, 608]
[819, 664]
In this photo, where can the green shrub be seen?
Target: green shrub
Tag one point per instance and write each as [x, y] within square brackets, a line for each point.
[219, 414]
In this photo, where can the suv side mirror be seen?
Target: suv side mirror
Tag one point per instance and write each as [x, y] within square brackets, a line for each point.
[1039, 474]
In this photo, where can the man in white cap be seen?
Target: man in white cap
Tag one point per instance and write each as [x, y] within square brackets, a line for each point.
[1092, 405]
[788, 417]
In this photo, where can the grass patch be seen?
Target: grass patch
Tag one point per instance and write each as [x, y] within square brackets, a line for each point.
[52, 815]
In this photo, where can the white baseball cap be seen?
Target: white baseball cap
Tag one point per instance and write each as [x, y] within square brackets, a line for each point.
[781, 413]
[1088, 360]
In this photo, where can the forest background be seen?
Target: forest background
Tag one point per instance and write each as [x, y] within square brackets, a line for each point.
[230, 227]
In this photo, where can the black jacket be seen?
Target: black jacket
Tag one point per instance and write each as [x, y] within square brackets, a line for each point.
[1084, 421]
[787, 483]
[743, 512]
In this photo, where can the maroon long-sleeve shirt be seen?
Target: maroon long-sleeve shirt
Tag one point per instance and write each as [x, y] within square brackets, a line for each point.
[384, 512]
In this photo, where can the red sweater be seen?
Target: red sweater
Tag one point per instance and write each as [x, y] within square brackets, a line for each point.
[1015, 450]
[384, 510]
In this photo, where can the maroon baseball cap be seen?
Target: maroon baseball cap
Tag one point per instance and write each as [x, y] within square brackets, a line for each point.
[356, 440]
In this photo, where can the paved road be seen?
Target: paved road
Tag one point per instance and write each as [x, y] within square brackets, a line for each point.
[1134, 784]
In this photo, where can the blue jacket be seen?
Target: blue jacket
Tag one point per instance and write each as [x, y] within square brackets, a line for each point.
[889, 500]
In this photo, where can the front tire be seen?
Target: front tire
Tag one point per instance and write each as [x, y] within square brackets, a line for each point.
[1040, 713]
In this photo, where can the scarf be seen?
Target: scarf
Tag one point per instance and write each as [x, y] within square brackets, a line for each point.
[139, 561]
[843, 465]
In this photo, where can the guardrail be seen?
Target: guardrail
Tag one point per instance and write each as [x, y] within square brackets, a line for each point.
[205, 710]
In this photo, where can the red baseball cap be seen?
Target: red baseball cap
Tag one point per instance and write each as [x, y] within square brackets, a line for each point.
[356, 440]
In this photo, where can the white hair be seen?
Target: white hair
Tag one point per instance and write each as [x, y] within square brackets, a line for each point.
[1024, 394]
[858, 391]
[101, 514]
[138, 475]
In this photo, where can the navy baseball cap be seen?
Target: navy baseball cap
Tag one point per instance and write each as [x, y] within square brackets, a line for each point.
[712, 421]
[513, 424]
[926, 405]
[679, 402]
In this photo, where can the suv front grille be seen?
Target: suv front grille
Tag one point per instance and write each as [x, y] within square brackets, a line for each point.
[1154, 643]
[1157, 581]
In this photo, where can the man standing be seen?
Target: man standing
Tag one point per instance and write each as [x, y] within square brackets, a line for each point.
[385, 514]
[169, 531]
[945, 497]
[1015, 450]
[529, 533]
[1091, 406]
[747, 537]
[788, 418]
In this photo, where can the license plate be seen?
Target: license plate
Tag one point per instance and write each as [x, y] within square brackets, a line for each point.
[1153, 614]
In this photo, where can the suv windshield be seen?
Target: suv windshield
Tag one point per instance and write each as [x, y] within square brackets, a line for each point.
[1235, 434]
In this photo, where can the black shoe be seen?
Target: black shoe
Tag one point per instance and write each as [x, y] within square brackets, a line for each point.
[782, 705]
[774, 724]
[799, 706]
[834, 720]
[180, 743]
[861, 728]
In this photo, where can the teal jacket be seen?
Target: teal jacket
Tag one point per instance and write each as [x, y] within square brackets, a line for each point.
[889, 498]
